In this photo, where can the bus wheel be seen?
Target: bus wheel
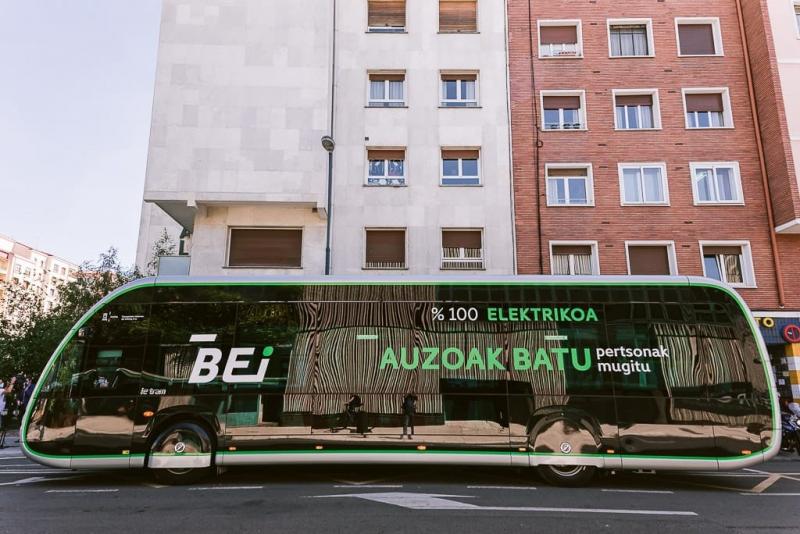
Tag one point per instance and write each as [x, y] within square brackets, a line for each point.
[181, 454]
[567, 475]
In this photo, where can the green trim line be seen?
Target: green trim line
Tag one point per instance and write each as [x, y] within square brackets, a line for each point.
[152, 283]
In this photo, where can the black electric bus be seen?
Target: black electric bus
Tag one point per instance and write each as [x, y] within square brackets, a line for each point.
[568, 375]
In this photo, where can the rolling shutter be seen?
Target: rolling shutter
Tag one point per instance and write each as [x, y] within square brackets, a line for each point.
[265, 247]
[634, 100]
[558, 35]
[458, 15]
[461, 239]
[697, 39]
[648, 259]
[386, 13]
[396, 155]
[386, 247]
[704, 102]
[562, 102]
[459, 154]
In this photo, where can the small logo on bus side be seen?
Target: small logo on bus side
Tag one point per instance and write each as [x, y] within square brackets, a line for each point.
[207, 363]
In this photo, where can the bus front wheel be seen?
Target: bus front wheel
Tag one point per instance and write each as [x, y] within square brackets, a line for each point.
[181, 454]
[567, 475]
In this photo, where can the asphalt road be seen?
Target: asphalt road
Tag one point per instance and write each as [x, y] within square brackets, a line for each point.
[396, 499]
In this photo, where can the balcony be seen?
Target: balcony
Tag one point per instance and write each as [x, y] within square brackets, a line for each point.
[174, 265]
[560, 50]
[462, 259]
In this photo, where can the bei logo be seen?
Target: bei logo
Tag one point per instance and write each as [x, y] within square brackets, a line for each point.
[209, 360]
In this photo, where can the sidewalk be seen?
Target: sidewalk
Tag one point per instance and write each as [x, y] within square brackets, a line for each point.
[11, 445]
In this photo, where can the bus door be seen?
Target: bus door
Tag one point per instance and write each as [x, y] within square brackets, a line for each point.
[107, 386]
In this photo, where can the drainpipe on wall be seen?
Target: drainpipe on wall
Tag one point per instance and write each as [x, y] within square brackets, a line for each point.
[328, 144]
[773, 240]
[537, 141]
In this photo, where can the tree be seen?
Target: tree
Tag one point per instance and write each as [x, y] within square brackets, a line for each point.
[164, 246]
[29, 335]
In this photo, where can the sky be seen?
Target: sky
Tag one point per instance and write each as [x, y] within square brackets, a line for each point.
[76, 93]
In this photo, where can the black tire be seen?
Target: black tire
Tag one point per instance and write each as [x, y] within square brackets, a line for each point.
[194, 439]
[567, 475]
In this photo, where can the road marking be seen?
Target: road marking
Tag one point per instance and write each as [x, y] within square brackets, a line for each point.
[431, 501]
[764, 484]
[503, 487]
[11, 458]
[83, 491]
[226, 488]
[368, 486]
[636, 491]
[34, 472]
[771, 494]
[22, 481]
[2, 468]
[366, 337]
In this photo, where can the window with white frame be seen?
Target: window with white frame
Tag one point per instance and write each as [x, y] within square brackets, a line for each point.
[636, 111]
[573, 259]
[707, 108]
[643, 183]
[569, 185]
[698, 36]
[462, 249]
[563, 110]
[385, 248]
[728, 262]
[716, 183]
[386, 166]
[459, 90]
[387, 89]
[630, 38]
[386, 15]
[651, 258]
[560, 38]
[460, 167]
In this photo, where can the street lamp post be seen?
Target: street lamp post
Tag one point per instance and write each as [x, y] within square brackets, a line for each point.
[329, 146]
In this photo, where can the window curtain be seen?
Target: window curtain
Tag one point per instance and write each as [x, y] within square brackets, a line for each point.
[582, 263]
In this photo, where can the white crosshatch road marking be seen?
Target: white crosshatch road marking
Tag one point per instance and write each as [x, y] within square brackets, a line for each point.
[433, 501]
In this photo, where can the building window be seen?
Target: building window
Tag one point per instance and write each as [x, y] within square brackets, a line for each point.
[462, 249]
[651, 259]
[386, 15]
[560, 38]
[728, 262]
[563, 111]
[459, 90]
[698, 37]
[574, 259]
[569, 185]
[716, 183]
[630, 38]
[460, 167]
[643, 183]
[457, 16]
[636, 111]
[387, 90]
[707, 108]
[265, 247]
[386, 167]
[385, 249]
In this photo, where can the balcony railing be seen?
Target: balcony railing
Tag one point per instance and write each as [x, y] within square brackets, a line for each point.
[174, 265]
[560, 50]
[385, 265]
[454, 258]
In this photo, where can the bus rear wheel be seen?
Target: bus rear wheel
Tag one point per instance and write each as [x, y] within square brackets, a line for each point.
[179, 454]
[567, 475]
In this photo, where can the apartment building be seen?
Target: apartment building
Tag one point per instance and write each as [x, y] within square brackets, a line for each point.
[411, 98]
[637, 149]
[33, 269]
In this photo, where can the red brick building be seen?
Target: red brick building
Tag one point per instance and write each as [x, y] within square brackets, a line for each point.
[636, 148]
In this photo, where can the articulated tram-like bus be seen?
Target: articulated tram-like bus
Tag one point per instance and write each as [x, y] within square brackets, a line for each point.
[565, 374]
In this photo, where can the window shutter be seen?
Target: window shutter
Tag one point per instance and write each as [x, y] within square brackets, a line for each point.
[386, 246]
[563, 250]
[704, 102]
[458, 15]
[265, 247]
[459, 154]
[386, 154]
[648, 259]
[393, 77]
[386, 13]
[562, 102]
[717, 250]
[697, 39]
[578, 172]
[465, 77]
[461, 239]
[558, 35]
[635, 100]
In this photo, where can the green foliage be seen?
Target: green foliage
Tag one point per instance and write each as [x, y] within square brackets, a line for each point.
[29, 334]
[164, 246]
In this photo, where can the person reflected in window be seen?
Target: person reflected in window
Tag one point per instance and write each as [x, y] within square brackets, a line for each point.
[409, 409]
[353, 407]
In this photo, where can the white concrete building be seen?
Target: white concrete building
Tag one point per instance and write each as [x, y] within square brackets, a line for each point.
[417, 105]
[38, 271]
